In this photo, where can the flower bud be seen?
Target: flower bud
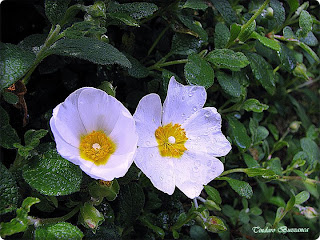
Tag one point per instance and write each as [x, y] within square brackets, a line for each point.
[301, 71]
[269, 13]
[90, 217]
[107, 189]
[98, 9]
[215, 224]
[310, 212]
[294, 126]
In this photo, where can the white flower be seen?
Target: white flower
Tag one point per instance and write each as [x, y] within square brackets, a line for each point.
[178, 144]
[95, 131]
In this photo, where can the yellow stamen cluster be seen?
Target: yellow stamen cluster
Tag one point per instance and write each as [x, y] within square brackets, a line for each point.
[96, 147]
[171, 139]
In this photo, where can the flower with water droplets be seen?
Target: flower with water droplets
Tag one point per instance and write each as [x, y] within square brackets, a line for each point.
[180, 147]
[95, 131]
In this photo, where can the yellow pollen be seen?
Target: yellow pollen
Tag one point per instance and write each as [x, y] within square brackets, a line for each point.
[171, 139]
[96, 147]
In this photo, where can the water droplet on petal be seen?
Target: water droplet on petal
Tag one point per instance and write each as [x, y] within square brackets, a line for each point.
[183, 115]
[207, 114]
[195, 109]
[161, 178]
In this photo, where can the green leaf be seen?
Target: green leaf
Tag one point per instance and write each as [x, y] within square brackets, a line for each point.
[229, 84]
[90, 49]
[55, 10]
[239, 133]
[246, 31]
[195, 4]
[194, 26]
[241, 187]
[33, 42]
[125, 18]
[147, 222]
[20, 222]
[305, 23]
[61, 230]
[274, 131]
[8, 135]
[197, 232]
[226, 58]
[279, 145]
[290, 204]
[137, 70]
[106, 232]
[254, 105]
[131, 202]
[82, 29]
[278, 15]
[32, 137]
[250, 161]
[235, 29]
[14, 63]
[198, 72]
[9, 194]
[221, 36]
[136, 10]
[52, 175]
[262, 71]
[310, 39]
[108, 88]
[244, 217]
[185, 44]
[90, 217]
[300, 112]
[213, 194]
[312, 150]
[288, 33]
[302, 197]
[10, 97]
[287, 58]
[226, 11]
[270, 43]
[293, 4]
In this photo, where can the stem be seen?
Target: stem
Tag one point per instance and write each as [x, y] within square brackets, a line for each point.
[59, 219]
[159, 65]
[52, 37]
[195, 203]
[307, 180]
[247, 24]
[243, 170]
[310, 82]
[158, 39]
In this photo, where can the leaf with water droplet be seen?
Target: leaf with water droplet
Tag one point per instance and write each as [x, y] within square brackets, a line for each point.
[241, 187]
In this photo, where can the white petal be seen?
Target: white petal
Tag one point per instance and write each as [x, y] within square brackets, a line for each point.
[65, 149]
[182, 101]
[98, 110]
[203, 130]
[148, 119]
[67, 119]
[157, 168]
[192, 171]
[124, 133]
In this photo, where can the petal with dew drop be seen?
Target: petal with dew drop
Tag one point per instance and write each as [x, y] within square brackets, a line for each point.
[194, 170]
[148, 119]
[182, 101]
[204, 134]
[157, 168]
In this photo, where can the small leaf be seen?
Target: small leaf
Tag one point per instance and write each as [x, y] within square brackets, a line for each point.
[32, 137]
[198, 72]
[197, 232]
[147, 222]
[305, 23]
[312, 150]
[270, 43]
[235, 29]
[82, 29]
[229, 84]
[274, 131]
[194, 26]
[9, 195]
[221, 36]
[287, 58]
[310, 39]
[52, 175]
[213, 194]
[196, 4]
[14, 63]
[239, 133]
[55, 10]
[290, 204]
[10, 97]
[136, 10]
[278, 15]
[265, 173]
[8, 135]
[90, 49]
[302, 197]
[279, 145]
[241, 187]
[125, 18]
[288, 33]
[250, 161]
[262, 71]
[61, 230]
[131, 202]
[254, 105]
[226, 11]
[226, 58]
[137, 70]
[293, 4]
[185, 44]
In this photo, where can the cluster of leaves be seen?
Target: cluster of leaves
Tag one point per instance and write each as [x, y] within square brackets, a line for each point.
[258, 61]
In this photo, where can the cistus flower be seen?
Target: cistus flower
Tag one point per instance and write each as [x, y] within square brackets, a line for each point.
[95, 131]
[179, 142]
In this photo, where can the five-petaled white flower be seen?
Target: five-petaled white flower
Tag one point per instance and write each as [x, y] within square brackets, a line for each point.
[95, 131]
[178, 144]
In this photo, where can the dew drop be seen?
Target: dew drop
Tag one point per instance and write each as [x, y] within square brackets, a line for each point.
[207, 114]
[194, 108]
[161, 178]
[183, 115]
[151, 155]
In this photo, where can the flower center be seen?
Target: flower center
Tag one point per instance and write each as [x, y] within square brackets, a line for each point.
[96, 147]
[171, 139]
